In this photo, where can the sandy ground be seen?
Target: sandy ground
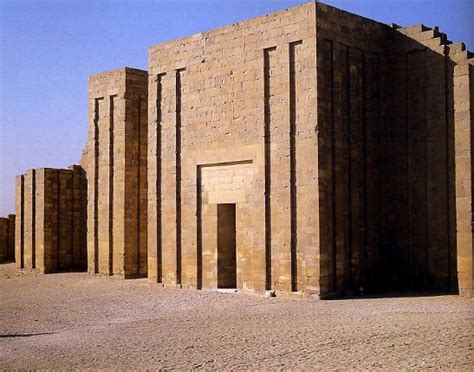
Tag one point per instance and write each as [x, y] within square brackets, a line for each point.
[76, 321]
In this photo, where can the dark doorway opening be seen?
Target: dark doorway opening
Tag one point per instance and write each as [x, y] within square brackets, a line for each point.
[226, 247]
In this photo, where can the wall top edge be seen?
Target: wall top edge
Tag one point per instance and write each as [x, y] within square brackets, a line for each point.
[119, 70]
[228, 28]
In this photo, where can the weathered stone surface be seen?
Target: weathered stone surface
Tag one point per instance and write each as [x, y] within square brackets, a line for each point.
[115, 160]
[387, 155]
[232, 114]
[463, 127]
[7, 238]
[50, 228]
[307, 151]
[332, 134]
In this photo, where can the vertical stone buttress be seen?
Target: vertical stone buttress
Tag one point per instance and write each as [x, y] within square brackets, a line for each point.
[115, 161]
[425, 70]
[50, 229]
[232, 116]
[389, 105]
[418, 240]
[349, 89]
[464, 126]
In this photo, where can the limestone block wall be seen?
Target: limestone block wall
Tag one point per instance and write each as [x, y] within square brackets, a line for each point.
[464, 125]
[421, 155]
[50, 224]
[349, 91]
[7, 238]
[309, 150]
[115, 160]
[232, 117]
[387, 174]
[3, 239]
[417, 139]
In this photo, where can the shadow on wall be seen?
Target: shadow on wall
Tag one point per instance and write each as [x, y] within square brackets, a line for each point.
[51, 220]
[392, 190]
[417, 188]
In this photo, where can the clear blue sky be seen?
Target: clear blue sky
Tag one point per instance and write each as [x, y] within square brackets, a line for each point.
[48, 48]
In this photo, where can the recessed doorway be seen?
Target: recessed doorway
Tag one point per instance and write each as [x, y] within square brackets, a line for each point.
[226, 246]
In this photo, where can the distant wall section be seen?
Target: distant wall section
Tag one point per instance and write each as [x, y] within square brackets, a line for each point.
[7, 238]
[50, 225]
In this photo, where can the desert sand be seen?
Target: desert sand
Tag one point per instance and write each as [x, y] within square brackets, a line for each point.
[73, 320]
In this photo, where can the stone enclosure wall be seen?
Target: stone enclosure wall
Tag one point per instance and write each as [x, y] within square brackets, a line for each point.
[115, 160]
[231, 121]
[463, 145]
[350, 108]
[369, 145]
[50, 222]
[306, 151]
[7, 238]
[387, 155]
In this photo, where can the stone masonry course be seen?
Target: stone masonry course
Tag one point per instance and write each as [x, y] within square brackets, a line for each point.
[308, 151]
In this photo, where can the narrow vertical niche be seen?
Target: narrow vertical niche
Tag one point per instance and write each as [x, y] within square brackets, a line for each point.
[408, 150]
[58, 216]
[365, 209]
[33, 219]
[96, 183]
[379, 140]
[448, 97]
[199, 226]
[333, 267]
[267, 142]
[111, 182]
[179, 73]
[139, 175]
[158, 123]
[348, 88]
[72, 224]
[22, 221]
[7, 254]
[293, 192]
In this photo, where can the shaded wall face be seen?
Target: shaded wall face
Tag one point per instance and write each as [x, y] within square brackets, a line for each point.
[387, 156]
[50, 228]
[418, 234]
[115, 160]
[11, 237]
[3, 239]
[231, 120]
[7, 238]
[350, 83]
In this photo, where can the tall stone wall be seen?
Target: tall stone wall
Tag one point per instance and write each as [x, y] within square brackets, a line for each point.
[7, 238]
[349, 89]
[115, 160]
[386, 121]
[309, 150]
[231, 121]
[464, 126]
[418, 142]
[50, 226]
